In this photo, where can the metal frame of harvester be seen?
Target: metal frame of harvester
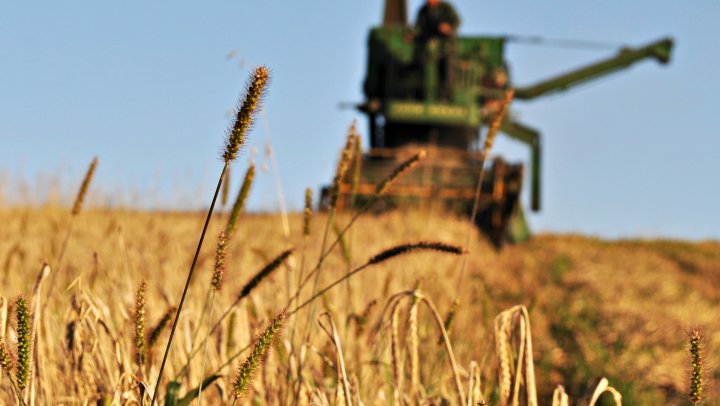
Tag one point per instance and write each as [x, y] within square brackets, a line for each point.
[405, 113]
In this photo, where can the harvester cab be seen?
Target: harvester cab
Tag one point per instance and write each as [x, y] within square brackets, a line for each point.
[438, 94]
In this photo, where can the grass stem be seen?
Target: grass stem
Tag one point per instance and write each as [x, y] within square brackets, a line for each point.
[187, 283]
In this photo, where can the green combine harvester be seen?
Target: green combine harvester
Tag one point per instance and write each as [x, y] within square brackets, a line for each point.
[410, 107]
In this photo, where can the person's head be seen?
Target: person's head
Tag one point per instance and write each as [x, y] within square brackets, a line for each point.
[433, 3]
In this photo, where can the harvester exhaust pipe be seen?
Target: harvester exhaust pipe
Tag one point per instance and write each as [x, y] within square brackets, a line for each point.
[395, 13]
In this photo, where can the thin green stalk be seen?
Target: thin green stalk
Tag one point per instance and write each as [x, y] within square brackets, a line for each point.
[317, 271]
[334, 196]
[207, 340]
[215, 285]
[237, 209]
[471, 224]
[493, 130]
[205, 306]
[385, 256]
[316, 284]
[307, 220]
[187, 283]
[247, 289]
[295, 297]
[380, 189]
[327, 288]
[61, 255]
[77, 207]
[327, 252]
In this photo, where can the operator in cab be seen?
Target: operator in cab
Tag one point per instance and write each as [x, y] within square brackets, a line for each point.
[438, 21]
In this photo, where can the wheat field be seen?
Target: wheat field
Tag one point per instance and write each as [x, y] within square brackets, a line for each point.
[618, 310]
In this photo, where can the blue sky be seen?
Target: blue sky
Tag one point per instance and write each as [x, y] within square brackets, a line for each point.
[146, 86]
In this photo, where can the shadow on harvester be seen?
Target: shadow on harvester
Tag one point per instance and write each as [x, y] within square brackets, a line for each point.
[437, 94]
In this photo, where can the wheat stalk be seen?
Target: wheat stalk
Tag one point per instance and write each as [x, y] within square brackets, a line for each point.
[414, 343]
[77, 207]
[388, 181]
[342, 167]
[417, 296]
[489, 140]
[448, 347]
[80, 198]
[602, 387]
[37, 321]
[475, 395]
[560, 398]
[502, 344]
[503, 332]
[395, 351]
[343, 393]
[261, 275]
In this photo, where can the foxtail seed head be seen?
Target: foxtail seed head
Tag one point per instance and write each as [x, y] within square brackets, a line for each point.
[160, 327]
[423, 245]
[357, 164]
[697, 371]
[254, 361]
[402, 169]
[343, 164]
[5, 361]
[264, 273]
[497, 121]
[24, 351]
[139, 319]
[217, 278]
[451, 314]
[253, 95]
[239, 205]
[308, 212]
[80, 198]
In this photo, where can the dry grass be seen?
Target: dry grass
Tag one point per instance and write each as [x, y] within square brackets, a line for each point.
[598, 309]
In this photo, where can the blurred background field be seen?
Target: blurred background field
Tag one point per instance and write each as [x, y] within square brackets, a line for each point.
[619, 309]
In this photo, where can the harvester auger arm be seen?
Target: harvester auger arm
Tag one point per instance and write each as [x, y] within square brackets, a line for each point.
[625, 58]
[531, 137]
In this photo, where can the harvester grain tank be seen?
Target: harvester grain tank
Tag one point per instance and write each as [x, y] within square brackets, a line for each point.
[409, 107]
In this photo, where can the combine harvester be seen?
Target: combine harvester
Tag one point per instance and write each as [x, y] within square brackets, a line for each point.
[406, 113]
